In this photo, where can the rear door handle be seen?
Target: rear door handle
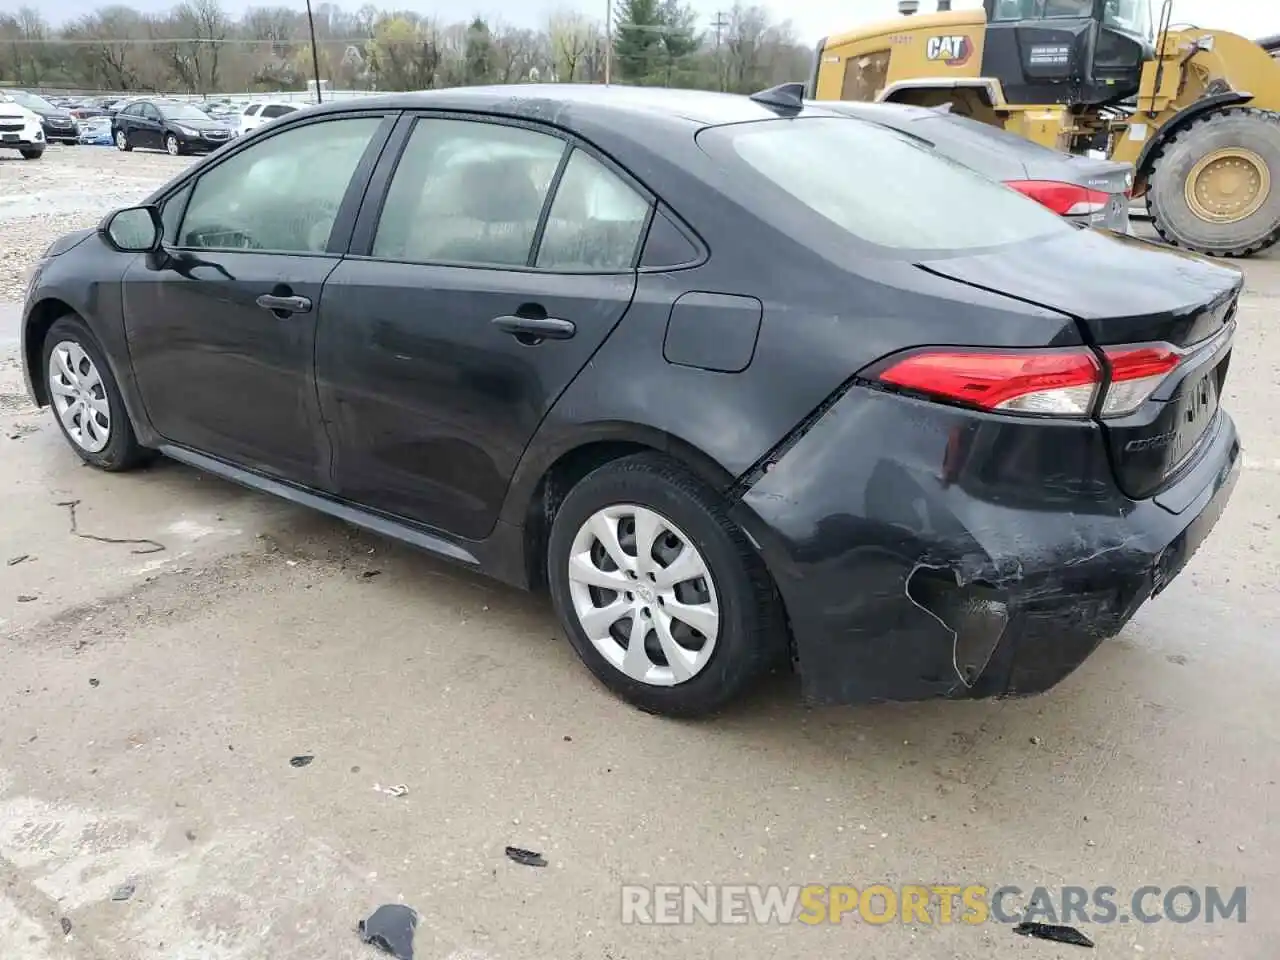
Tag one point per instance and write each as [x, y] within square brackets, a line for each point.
[544, 328]
[276, 304]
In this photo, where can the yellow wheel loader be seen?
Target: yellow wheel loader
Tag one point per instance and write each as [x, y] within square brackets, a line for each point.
[1196, 111]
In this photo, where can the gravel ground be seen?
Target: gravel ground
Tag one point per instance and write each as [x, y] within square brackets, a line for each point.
[67, 189]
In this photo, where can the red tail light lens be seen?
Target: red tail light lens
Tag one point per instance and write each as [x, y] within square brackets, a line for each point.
[1136, 372]
[1064, 199]
[1061, 383]
[1056, 383]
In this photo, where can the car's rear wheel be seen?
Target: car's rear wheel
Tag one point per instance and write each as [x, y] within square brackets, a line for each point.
[86, 398]
[172, 146]
[659, 591]
[122, 141]
[31, 154]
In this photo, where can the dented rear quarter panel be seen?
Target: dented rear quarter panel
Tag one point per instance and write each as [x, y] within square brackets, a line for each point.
[885, 489]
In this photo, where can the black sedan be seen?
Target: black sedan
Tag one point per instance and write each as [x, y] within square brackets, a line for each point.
[1087, 190]
[742, 382]
[170, 125]
[58, 123]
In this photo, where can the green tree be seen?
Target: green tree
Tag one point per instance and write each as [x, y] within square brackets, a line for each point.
[637, 42]
[478, 53]
[679, 37]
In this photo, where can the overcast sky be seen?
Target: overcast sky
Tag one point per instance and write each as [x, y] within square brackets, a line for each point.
[812, 18]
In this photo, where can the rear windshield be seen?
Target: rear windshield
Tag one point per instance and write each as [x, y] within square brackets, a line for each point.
[882, 187]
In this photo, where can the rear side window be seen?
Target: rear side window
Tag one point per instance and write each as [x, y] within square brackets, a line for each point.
[882, 187]
[251, 110]
[595, 220]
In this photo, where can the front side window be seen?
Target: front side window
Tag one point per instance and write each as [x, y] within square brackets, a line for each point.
[250, 110]
[879, 185]
[276, 110]
[467, 192]
[282, 193]
[595, 220]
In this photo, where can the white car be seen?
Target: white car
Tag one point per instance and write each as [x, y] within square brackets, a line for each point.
[256, 115]
[21, 129]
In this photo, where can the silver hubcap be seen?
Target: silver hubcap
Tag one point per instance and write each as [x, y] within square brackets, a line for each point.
[79, 397]
[173, 146]
[644, 595]
[121, 140]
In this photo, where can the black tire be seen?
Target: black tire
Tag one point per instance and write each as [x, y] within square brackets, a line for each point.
[122, 141]
[31, 154]
[751, 636]
[1173, 217]
[122, 452]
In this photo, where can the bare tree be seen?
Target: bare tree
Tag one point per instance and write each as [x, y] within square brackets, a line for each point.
[569, 36]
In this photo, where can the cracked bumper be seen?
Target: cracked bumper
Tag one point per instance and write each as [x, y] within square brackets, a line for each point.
[928, 552]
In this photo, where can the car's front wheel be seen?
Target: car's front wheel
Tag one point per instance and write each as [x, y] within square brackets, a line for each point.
[659, 591]
[122, 141]
[32, 154]
[86, 398]
[172, 145]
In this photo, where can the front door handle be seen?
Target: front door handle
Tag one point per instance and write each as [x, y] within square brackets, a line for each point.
[286, 305]
[536, 328]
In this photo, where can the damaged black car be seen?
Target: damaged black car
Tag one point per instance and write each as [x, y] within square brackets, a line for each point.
[742, 382]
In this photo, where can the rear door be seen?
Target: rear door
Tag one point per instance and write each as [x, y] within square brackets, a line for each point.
[491, 260]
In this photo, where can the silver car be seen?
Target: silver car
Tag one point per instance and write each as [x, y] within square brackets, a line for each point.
[1084, 189]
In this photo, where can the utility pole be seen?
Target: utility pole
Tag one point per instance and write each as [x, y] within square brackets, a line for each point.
[718, 24]
[608, 40]
[315, 54]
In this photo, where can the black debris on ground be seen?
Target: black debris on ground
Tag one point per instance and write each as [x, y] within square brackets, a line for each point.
[27, 598]
[390, 928]
[124, 891]
[94, 681]
[1055, 932]
[66, 926]
[301, 761]
[14, 561]
[526, 857]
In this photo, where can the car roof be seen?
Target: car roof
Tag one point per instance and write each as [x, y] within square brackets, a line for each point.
[565, 104]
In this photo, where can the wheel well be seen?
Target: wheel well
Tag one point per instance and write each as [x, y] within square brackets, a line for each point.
[556, 482]
[41, 318]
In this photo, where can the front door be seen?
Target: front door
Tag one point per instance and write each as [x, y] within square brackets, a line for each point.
[222, 328]
[443, 346]
[146, 127]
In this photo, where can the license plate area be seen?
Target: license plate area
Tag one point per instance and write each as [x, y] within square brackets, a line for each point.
[9, 137]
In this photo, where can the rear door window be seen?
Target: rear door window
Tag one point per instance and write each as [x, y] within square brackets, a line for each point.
[878, 185]
[467, 192]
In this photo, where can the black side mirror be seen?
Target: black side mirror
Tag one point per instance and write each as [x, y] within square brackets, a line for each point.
[134, 229]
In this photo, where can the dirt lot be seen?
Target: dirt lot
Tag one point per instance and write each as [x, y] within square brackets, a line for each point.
[171, 642]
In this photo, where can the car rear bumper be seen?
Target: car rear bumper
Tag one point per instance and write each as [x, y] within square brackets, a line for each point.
[923, 551]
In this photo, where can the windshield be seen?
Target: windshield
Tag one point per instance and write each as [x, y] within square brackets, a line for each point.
[30, 100]
[882, 187]
[1131, 16]
[182, 111]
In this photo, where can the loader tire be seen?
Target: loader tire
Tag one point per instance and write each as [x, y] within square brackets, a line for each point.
[1238, 221]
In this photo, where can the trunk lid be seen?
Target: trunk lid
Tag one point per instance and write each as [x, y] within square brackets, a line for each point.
[1123, 291]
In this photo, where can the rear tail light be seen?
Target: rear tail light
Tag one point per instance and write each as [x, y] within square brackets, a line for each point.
[1064, 199]
[1136, 372]
[1057, 383]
